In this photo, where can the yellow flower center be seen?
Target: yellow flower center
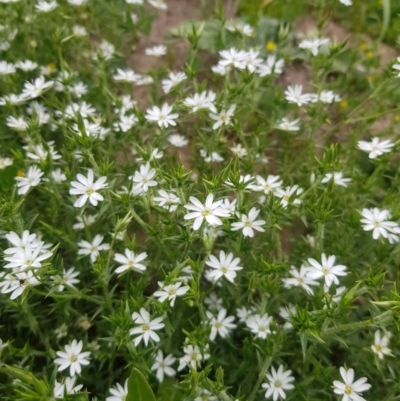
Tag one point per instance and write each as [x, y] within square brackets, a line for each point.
[145, 327]
[89, 191]
[348, 390]
[74, 358]
[278, 384]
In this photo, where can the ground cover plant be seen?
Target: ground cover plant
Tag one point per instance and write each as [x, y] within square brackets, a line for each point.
[214, 215]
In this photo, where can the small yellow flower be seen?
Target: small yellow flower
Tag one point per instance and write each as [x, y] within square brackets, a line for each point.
[343, 104]
[397, 118]
[270, 46]
[52, 67]
[33, 43]
[20, 173]
[363, 47]
[369, 54]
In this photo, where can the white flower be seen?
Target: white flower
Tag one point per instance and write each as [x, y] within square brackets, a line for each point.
[159, 4]
[279, 380]
[337, 178]
[259, 325]
[244, 314]
[326, 268]
[162, 366]
[287, 125]
[156, 51]
[6, 68]
[238, 26]
[30, 257]
[272, 65]
[162, 116]
[376, 147]
[170, 292]
[39, 153]
[119, 392]
[147, 327]
[77, 2]
[72, 358]
[249, 223]
[143, 179]
[11, 99]
[88, 189]
[83, 108]
[229, 206]
[58, 176]
[287, 313]
[20, 243]
[61, 331]
[380, 346]
[130, 261]
[18, 124]
[5, 162]
[31, 179]
[294, 94]
[79, 30]
[68, 278]
[17, 283]
[26, 65]
[239, 150]
[126, 122]
[106, 51]
[93, 249]
[209, 211]
[245, 182]
[347, 2]
[177, 140]
[377, 220]
[68, 387]
[126, 75]
[93, 130]
[350, 389]
[299, 279]
[252, 61]
[84, 221]
[45, 7]
[221, 324]
[205, 395]
[223, 118]
[167, 200]
[203, 100]
[224, 266]
[287, 194]
[35, 88]
[314, 45]
[211, 157]
[325, 97]
[174, 79]
[233, 57]
[193, 357]
[397, 67]
[269, 185]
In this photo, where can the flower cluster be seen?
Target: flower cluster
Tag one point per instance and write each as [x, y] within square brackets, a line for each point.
[230, 229]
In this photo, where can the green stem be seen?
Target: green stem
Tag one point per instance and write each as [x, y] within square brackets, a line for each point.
[261, 376]
[278, 245]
